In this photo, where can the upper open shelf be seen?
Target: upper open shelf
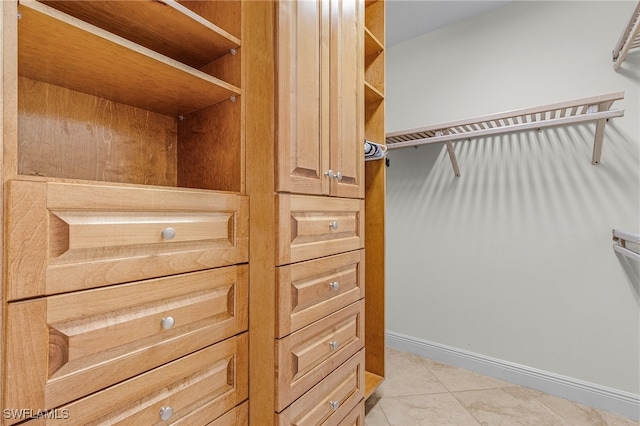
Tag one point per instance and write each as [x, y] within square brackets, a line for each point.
[166, 27]
[596, 108]
[59, 49]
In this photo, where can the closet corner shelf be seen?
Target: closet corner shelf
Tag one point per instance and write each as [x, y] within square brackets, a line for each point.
[595, 108]
[629, 39]
[622, 238]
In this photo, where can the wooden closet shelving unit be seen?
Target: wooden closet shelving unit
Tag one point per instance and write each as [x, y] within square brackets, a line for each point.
[629, 39]
[125, 280]
[375, 195]
[595, 108]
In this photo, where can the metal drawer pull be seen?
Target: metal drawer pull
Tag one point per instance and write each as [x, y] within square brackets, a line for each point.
[329, 173]
[168, 233]
[333, 225]
[167, 322]
[166, 413]
[338, 176]
[334, 345]
[334, 404]
[334, 286]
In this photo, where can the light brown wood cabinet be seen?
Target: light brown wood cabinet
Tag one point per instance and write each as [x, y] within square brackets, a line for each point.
[125, 260]
[320, 98]
[189, 227]
[306, 178]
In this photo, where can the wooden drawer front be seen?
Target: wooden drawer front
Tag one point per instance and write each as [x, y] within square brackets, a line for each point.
[67, 237]
[308, 355]
[355, 417]
[332, 399]
[311, 227]
[198, 388]
[67, 346]
[309, 291]
[238, 416]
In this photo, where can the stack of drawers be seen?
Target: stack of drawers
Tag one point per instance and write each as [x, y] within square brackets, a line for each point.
[319, 310]
[127, 304]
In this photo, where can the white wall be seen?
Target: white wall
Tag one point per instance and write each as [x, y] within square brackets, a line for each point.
[513, 259]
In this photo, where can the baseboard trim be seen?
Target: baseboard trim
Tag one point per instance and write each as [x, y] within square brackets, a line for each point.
[593, 395]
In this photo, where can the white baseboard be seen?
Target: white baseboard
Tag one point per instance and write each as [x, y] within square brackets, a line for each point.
[593, 395]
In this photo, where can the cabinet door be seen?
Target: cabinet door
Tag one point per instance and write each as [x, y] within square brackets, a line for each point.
[346, 100]
[303, 96]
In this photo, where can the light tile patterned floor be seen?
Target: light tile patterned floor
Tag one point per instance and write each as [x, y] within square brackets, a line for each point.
[419, 391]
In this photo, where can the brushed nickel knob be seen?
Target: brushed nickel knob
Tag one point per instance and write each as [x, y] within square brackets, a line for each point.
[334, 285]
[334, 404]
[338, 176]
[334, 345]
[168, 233]
[166, 413]
[167, 322]
[334, 225]
[329, 173]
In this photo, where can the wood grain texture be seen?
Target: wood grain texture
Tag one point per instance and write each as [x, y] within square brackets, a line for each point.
[87, 237]
[346, 104]
[304, 226]
[165, 27]
[53, 43]
[227, 14]
[375, 200]
[305, 293]
[310, 354]
[199, 387]
[210, 154]
[68, 134]
[259, 111]
[355, 417]
[375, 261]
[344, 386]
[303, 97]
[122, 336]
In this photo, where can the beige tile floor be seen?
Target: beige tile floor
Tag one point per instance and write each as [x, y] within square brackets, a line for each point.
[419, 391]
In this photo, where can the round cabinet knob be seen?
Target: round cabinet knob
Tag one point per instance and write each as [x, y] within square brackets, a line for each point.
[168, 233]
[333, 225]
[334, 286]
[167, 322]
[334, 345]
[166, 413]
[334, 405]
[338, 176]
[329, 173]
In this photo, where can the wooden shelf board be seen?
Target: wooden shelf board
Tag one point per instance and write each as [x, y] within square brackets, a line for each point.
[371, 383]
[372, 45]
[62, 50]
[166, 27]
[371, 94]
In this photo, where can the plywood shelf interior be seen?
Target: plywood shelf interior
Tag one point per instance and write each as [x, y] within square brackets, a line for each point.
[52, 43]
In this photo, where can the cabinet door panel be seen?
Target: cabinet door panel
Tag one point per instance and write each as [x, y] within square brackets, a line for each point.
[303, 96]
[66, 237]
[67, 346]
[346, 99]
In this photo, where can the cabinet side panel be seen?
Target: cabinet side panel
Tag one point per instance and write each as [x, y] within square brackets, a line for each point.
[209, 151]
[68, 134]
